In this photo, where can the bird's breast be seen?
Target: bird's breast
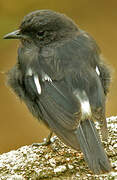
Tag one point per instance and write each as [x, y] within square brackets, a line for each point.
[27, 55]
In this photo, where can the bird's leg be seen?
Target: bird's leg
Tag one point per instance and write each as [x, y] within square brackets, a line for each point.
[104, 130]
[46, 141]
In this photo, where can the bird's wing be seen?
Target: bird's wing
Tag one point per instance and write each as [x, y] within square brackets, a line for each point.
[77, 62]
[58, 72]
[80, 51]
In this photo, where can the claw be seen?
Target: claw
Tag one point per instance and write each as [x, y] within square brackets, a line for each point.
[47, 141]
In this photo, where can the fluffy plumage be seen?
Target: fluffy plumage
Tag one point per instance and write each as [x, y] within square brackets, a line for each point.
[63, 80]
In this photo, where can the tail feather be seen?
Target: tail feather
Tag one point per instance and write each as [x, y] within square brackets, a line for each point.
[88, 138]
[58, 113]
[92, 148]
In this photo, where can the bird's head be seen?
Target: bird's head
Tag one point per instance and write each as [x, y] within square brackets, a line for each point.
[44, 27]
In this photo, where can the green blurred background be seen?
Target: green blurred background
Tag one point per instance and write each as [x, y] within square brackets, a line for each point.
[99, 18]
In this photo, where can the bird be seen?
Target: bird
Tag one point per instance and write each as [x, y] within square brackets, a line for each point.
[61, 76]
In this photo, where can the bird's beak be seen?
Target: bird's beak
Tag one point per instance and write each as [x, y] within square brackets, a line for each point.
[13, 35]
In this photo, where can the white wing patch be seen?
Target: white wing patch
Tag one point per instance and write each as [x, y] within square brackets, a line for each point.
[85, 105]
[46, 78]
[86, 35]
[85, 108]
[97, 71]
[37, 83]
[29, 72]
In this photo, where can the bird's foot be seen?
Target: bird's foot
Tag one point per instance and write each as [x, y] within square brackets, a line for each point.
[44, 143]
[47, 141]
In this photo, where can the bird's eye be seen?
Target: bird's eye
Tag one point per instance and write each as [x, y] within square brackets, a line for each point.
[40, 33]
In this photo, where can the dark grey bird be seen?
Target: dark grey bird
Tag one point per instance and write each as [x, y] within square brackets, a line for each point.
[61, 76]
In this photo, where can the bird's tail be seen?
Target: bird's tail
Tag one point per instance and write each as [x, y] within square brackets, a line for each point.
[89, 140]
